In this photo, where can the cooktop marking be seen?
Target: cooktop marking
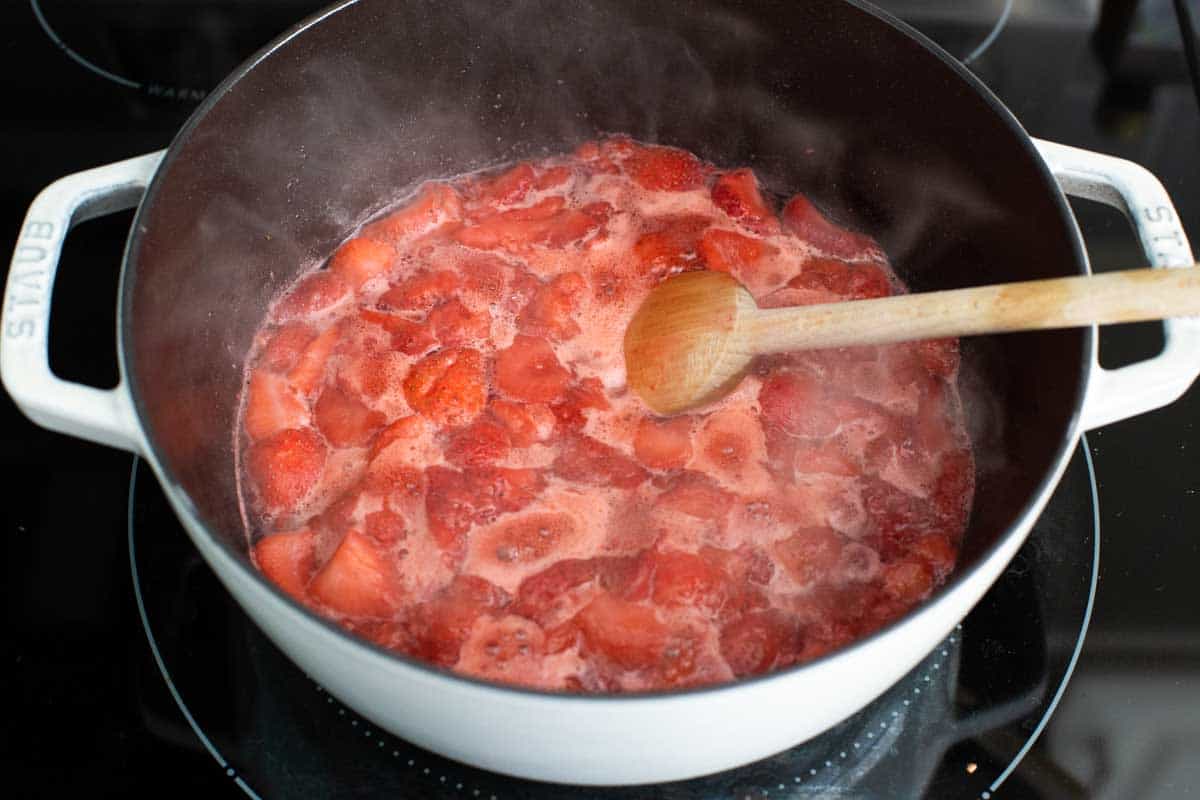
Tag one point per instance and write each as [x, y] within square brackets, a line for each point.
[78, 59]
[1087, 618]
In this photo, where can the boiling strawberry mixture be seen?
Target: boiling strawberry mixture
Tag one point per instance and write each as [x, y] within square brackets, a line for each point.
[442, 453]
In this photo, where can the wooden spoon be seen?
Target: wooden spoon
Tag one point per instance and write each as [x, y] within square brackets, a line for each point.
[696, 333]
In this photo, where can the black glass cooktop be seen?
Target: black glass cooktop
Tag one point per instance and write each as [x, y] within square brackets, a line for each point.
[128, 670]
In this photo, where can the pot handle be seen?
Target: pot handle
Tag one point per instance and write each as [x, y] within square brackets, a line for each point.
[101, 415]
[1117, 394]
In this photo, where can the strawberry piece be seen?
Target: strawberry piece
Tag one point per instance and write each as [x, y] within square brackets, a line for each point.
[803, 219]
[544, 595]
[357, 581]
[586, 460]
[482, 442]
[726, 448]
[526, 423]
[629, 634]
[485, 275]
[271, 406]
[909, 581]
[508, 187]
[405, 428]
[665, 169]
[360, 259]
[810, 555]
[442, 624]
[936, 551]
[670, 242]
[287, 559]
[696, 495]
[344, 420]
[939, 356]
[420, 291]
[760, 642]
[547, 223]
[284, 467]
[897, 516]
[684, 579]
[850, 281]
[509, 650]
[309, 371]
[410, 338]
[529, 537]
[434, 204]
[737, 194]
[825, 456]
[316, 292]
[529, 370]
[571, 413]
[385, 527]
[665, 443]
[457, 501]
[954, 488]
[555, 176]
[448, 386]
[283, 349]
[796, 403]
[550, 312]
[727, 251]
[455, 324]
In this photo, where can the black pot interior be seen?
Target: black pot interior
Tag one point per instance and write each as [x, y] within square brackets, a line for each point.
[822, 97]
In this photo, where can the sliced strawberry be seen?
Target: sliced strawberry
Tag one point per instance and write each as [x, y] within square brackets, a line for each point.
[665, 169]
[803, 219]
[670, 242]
[448, 386]
[550, 313]
[457, 501]
[727, 251]
[571, 413]
[936, 551]
[725, 440]
[664, 443]
[405, 428]
[897, 516]
[410, 338]
[316, 292]
[797, 404]
[357, 581]
[434, 204]
[510, 650]
[420, 291]
[529, 370]
[385, 527]
[485, 274]
[737, 194]
[587, 460]
[526, 423]
[554, 176]
[455, 324]
[684, 579]
[939, 356]
[696, 495]
[284, 467]
[850, 281]
[760, 642]
[544, 595]
[482, 442]
[271, 405]
[629, 634]
[442, 625]
[810, 555]
[547, 223]
[309, 372]
[824, 456]
[508, 187]
[360, 259]
[954, 488]
[287, 559]
[344, 419]
[287, 343]
[909, 581]
[529, 537]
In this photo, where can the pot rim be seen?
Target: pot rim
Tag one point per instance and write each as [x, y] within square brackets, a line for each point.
[238, 561]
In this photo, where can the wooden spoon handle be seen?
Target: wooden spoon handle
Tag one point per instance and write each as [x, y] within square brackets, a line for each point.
[1128, 296]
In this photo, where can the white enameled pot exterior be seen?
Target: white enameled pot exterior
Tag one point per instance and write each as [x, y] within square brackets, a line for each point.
[585, 740]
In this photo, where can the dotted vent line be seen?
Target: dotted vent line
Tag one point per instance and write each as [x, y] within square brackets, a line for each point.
[869, 736]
